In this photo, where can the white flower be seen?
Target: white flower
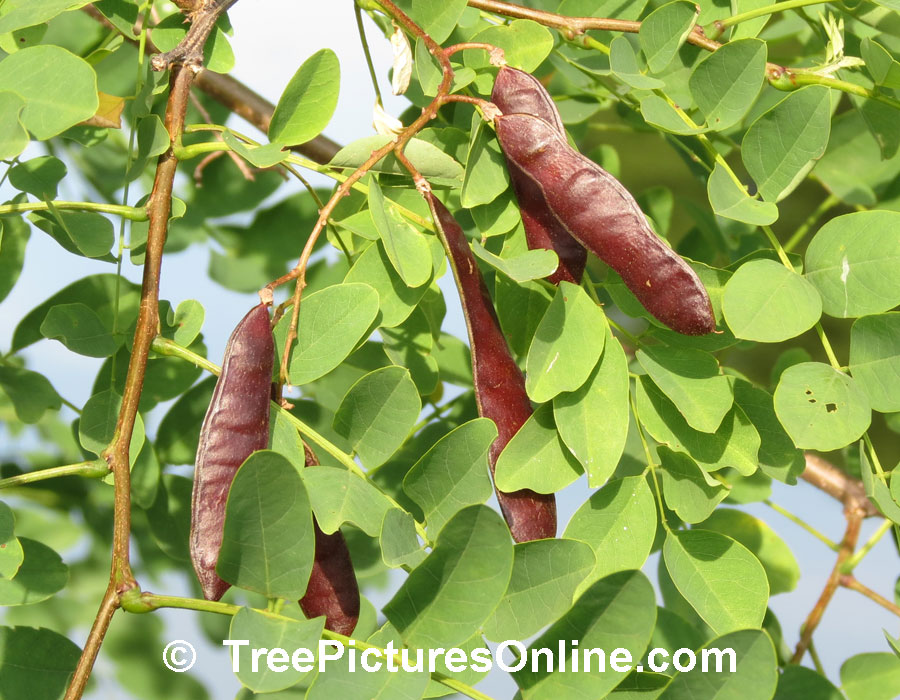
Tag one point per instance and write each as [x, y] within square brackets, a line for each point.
[403, 61]
[384, 123]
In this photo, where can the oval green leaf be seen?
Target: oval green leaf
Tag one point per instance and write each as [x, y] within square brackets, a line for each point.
[308, 101]
[875, 359]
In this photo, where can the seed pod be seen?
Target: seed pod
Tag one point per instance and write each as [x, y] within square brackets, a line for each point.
[235, 426]
[499, 384]
[601, 214]
[518, 92]
[332, 590]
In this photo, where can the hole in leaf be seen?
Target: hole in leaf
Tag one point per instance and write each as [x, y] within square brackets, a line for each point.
[831, 407]
[811, 400]
[809, 392]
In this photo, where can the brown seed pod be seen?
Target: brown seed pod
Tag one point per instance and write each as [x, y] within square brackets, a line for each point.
[499, 384]
[332, 590]
[235, 426]
[518, 92]
[601, 214]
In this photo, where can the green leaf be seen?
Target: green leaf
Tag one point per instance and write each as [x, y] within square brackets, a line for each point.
[880, 64]
[396, 300]
[664, 31]
[783, 144]
[775, 556]
[886, 499]
[725, 83]
[766, 302]
[875, 359]
[617, 612]
[340, 679]
[264, 156]
[152, 140]
[593, 420]
[410, 345]
[308, 101]
[536, 458]
[852, 262]
[339, 496]
[41, 575]
[778, 457]
[619, 523]
[872, 676]
[14, 235]
[170, 516]
[734, 444]
[268, 539]
[821, 408]
[545, 575]
[11, 553]
[30, 393]
[428, 159]
[80, 329]
[623, 62]
[377, 414]
[802, 682]
[486, 176]
[529, 265]
[520, 308]
[399, 542]
[450, 595]
[406, 247]
[18, 14]
[754, 677]
[437, 17]
[99, 292]
[38, 176]
[187, 321]
[98, 425]
[265, 631]
[659, 113]
[217, 53]
[331, 324]
[525, 45]
[36, 663]
[567, 344]
[691, 380]
[730, 200]
[453, 474]
[719, 577]
[13, 136]
[179, 430]
[688, 490]
[59, 88]
[80, 232]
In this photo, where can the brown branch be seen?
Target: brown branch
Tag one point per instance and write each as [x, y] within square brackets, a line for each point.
[848, 544]
[189, 51]
[851, 582]
[159, 206]
[92, 646]
[838, 484]
[239, 98]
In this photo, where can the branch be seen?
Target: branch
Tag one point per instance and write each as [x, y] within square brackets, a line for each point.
[850, 581]
[159, 207]
[848, 544]
[837, 484]
[190, 51]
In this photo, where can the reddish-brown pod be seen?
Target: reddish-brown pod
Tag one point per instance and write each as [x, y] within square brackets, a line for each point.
[235, 426]
[518, 92]
[332, 590]
[499, 384]
[601, 214]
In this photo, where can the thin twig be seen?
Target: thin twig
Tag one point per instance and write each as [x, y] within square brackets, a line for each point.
[851, 582]
[837, 484]
[189, 51]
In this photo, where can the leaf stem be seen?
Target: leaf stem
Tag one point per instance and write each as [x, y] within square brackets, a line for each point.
[124, 211]
[851, 563]
[804, 228]
[850, 581]
[761, 12]
[95, 469]
[802, 523]
[365, 47]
